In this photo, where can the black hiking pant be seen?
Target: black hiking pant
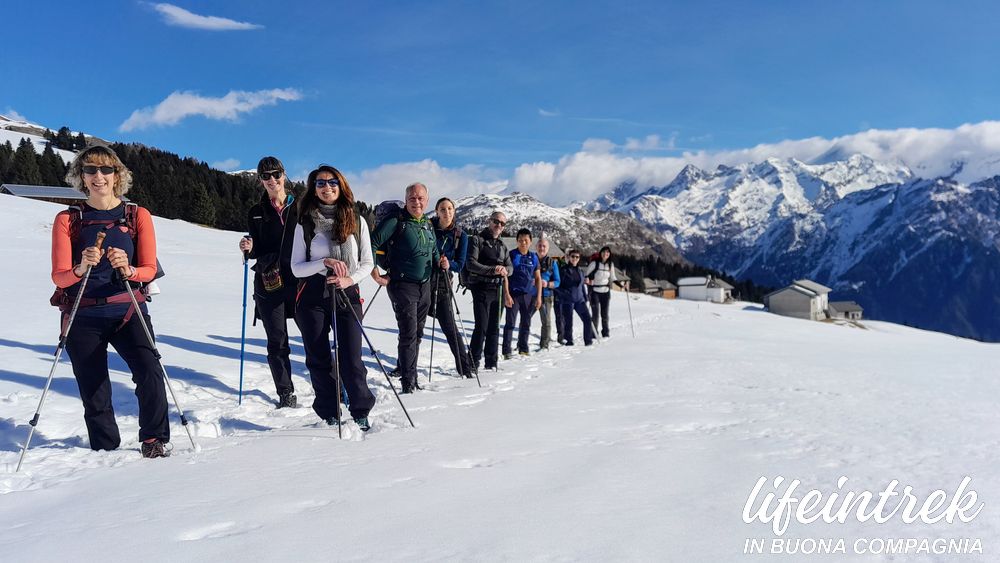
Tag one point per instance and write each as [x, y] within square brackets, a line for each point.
[313, 316]
[410, 302]
[567, 316]
[557, 306]
[599, 308]
[486, 334]
[87, 346]
[273, 312]
[524, 305]
[443, 311]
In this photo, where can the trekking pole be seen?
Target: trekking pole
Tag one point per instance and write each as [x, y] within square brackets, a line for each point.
[243, 333]
[628, 301]
[499, 314]
[370, 301]
[336, 361]
[434, 304]
[377, 359]
[159, 359]
[58, 353]
[462, 336]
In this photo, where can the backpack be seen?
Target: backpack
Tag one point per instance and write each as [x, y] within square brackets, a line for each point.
[129, 221]
[394, 209]
[387, 209]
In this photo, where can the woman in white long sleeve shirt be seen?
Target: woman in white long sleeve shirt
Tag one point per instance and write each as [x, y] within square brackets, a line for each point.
[338, 256]
[600, 276]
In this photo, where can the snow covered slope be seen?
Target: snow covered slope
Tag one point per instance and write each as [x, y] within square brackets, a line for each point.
[633, 449]
[12, 130]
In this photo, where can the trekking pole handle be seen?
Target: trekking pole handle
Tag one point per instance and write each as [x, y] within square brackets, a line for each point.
[246, 253]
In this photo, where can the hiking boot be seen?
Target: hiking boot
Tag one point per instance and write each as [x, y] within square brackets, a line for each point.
[524, 353]
[287, 400]
[395, 372]
[363, 423]
[407, 387]
[508, 356]
[156, 448]
[332, 421]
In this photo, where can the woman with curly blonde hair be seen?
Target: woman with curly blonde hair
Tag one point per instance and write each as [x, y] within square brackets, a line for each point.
[106, 314]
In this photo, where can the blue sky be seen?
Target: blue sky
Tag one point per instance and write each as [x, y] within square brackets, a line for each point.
[472, 91]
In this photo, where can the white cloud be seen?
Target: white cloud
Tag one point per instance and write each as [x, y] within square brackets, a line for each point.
[14, 115]
[226, 165]
[547, 113]
[175, 15]
[598, 146]
[388, 181]
[651, 143]
[180, 105]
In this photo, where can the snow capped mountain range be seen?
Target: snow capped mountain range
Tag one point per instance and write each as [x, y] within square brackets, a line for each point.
[917, 251]
[568, 227]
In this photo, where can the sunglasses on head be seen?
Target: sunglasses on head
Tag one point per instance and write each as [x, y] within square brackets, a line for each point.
[498, 222]
[106, 170]
[276, 174]
[332, 182]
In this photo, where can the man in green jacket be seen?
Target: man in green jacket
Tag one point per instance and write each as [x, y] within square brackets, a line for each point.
[405, 247]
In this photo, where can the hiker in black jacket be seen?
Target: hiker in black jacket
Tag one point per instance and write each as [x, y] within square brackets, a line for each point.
[273, 282]
[487, 267]
[572, 298]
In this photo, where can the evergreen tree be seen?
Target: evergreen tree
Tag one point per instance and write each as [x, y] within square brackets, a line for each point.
[6, 156]
[64, 139]
[53, 171]
[79, 143]
[202, 210]
[25, 165]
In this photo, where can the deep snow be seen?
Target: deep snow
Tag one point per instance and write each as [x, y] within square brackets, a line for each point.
[634, 449]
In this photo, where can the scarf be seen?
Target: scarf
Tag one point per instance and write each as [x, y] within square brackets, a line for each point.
[324, 217]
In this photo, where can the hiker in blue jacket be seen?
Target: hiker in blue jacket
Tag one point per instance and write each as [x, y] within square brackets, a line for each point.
[525, 287]
[550, 280]
[452, 243]
[571, 298]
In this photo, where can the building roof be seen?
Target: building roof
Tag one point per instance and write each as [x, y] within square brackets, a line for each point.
[716, 282]
[796, 288]
[693, 282]
[52, 192]
[657, 285]
[554, 250]
[812, 286]
[702, 281]
[846, 306]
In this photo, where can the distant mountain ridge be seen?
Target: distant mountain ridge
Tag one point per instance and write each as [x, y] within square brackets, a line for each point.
[924, 252]
[569, 227]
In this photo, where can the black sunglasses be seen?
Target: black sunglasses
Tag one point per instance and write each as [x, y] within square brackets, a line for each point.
[332, 182]
[268, 175]
[106, 170]
[572, 256]
[499, 222]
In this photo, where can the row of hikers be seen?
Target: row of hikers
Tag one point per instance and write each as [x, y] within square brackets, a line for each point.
[310, 256]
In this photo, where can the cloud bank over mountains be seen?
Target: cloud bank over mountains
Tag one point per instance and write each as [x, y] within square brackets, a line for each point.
[602, 164]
